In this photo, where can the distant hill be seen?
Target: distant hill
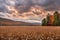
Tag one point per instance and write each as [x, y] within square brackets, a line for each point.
[8, 22]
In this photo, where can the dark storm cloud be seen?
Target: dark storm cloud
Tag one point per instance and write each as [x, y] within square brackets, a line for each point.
[47, 4]
[24, 5]
[52, 5]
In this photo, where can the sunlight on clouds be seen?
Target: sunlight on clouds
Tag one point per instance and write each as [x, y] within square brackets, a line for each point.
[28, 10]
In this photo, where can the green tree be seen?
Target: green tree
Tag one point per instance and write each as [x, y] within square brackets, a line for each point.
[56, 19]
[48, 19]
[59, 20]
[44, 22]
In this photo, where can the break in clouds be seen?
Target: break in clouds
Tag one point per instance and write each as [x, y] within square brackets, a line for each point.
[48, 5]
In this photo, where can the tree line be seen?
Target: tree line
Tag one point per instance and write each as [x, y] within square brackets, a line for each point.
[52, 20]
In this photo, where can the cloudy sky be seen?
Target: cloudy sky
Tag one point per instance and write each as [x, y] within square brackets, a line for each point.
[47, 4]
[25, 6]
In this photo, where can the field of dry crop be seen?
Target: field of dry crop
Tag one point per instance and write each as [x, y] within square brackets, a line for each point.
[29, 33]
